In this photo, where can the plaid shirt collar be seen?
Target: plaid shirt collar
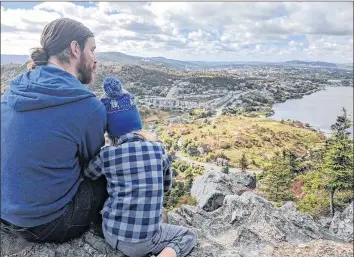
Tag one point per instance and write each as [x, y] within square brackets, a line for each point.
[129, 137]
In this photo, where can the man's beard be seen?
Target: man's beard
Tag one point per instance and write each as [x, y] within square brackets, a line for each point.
[85, 71]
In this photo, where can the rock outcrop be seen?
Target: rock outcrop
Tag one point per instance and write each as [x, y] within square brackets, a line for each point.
[249, 225]
[245, 225]
[87, 245]
[211, 188]
[342, 224]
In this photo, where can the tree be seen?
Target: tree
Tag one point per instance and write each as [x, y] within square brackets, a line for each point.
[294, 162]
[175, 147]
[173, 198]
[188, 185]
[341, 126]
[179, 189]
[315, 200]
[338, 160]
[168, 143]
[188, 174]
[225, 169]
[244, 162]
[277, 179]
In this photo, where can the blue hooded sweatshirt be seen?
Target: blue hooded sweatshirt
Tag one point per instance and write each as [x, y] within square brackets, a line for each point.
[52, 125]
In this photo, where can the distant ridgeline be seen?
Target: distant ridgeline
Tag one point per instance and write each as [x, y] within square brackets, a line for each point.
[240, 87]
[170, 63]
[316, 64]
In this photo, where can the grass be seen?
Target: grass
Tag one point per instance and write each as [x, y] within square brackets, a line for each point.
[258, 138]
[152, 115]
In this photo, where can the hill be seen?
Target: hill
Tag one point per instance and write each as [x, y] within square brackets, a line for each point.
[120, 58]
[9, 72]
[13, 59]
[317, 64]
[230, 137]
[171, 63]
[139, 79]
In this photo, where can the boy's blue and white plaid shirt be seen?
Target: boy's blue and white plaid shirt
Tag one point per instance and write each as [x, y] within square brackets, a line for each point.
[138, 173]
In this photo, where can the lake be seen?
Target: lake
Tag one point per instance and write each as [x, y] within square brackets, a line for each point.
[319, 109]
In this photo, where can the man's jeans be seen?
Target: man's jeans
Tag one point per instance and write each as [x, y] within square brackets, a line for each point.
[81, 211]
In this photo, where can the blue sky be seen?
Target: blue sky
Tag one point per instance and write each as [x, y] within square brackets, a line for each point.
[29, 5]
[219, 31]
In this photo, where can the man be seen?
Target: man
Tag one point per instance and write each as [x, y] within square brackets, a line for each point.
[52, 126]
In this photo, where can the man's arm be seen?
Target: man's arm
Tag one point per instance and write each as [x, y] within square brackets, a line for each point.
[92, 138]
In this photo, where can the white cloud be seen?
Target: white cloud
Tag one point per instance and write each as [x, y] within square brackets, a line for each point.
[330, 45]
[27, 20]
[200, 31]
[18, 43]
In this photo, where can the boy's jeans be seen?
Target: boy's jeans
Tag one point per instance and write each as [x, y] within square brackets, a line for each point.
[81, 211]
[181, 239]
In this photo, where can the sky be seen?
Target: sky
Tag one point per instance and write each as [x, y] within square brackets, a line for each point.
[194, 31]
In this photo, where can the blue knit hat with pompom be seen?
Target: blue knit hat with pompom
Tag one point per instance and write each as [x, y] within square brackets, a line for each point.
[122, 113]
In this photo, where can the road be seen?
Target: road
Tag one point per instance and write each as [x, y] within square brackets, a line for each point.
[211, 166]
[171, 92]
[234, 96]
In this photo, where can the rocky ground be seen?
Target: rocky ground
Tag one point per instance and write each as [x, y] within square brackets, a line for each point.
[230, 221]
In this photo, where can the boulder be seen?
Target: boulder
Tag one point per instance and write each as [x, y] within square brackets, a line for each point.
[249, 225]
[87, 245]
[289, 207]
[325, 222]
[244, 179]
[342, 224]
[211, 188]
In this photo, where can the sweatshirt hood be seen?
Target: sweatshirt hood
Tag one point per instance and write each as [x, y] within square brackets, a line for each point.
[46, 86]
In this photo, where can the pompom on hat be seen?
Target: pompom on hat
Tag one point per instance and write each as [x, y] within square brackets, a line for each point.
[122, 113]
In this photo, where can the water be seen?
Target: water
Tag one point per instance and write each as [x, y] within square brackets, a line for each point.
[319, 109]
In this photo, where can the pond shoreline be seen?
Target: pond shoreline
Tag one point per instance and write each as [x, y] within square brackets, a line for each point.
[318, 109]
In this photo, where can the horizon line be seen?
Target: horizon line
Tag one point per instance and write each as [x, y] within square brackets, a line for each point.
[206, 61]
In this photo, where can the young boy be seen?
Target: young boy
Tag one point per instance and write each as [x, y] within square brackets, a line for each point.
[138, 173]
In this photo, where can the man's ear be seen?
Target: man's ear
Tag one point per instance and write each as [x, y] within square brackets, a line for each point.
[75, 49]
